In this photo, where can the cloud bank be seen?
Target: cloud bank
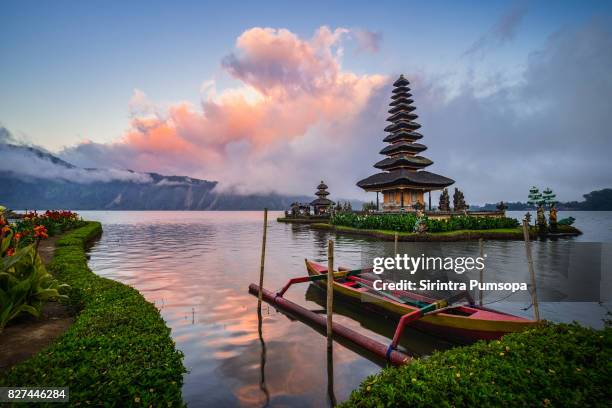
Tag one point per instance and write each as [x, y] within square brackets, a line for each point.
[37, 164]
[293, 104]
[296, 116]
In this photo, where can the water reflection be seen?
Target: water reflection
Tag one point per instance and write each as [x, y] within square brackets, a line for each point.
[262, 383]
[196, 267]
[330, 375]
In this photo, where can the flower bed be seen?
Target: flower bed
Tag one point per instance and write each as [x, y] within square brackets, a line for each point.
[553, 365]
[409, 222]
[117, 353]
[25, 284]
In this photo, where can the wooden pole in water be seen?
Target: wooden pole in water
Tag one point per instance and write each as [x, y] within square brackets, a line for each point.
[534, 293]
[263, 257]
[330, 290]
[395, 242]
[482, 270]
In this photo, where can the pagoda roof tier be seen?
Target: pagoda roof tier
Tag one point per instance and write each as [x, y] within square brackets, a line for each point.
[401, 95]
[402, 125]
[321, 201]
[402, 135]
[403, 147]
[405, 178]
[321, 193]
[401, 81]
[322, 186]
[402, 114]
[402, 107]
[401, 89]
[401, 101]
[415, 162]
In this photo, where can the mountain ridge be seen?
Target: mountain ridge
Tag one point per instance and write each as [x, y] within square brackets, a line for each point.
[106, 189]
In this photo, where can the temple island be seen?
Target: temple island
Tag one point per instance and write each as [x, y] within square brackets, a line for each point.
[406, 208]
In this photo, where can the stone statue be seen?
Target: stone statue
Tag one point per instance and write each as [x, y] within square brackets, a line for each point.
[552, 218]
[295, 209]
[541, 219]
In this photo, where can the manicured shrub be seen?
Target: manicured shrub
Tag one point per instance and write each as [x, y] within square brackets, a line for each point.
[552, 365]
[118, 352]
[407, 222]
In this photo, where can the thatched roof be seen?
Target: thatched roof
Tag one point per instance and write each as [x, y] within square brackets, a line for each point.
[402, 115]
[417, 162]
[321, 202]
[401, 81]
[402, 124]
[402, 147]
[405, 178]
[402, 135]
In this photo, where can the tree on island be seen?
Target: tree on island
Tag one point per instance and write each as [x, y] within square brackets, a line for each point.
[548, 197]
[534, 198]
[501, 206]
[459, 201]
[444, 204]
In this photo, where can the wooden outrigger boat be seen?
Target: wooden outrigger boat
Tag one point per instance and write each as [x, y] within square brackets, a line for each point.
[464, 323]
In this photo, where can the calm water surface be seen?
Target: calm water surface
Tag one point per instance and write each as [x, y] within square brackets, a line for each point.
[196, 268]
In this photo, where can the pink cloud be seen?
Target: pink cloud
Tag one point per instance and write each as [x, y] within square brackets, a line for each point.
[291, 89]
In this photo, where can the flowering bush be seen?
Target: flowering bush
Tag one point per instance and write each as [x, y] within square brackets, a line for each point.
[25, 284]
[55, 222]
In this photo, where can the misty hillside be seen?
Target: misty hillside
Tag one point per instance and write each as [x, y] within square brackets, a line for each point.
[33, 179]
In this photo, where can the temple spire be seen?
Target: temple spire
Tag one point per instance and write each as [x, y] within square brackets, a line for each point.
[403, 165]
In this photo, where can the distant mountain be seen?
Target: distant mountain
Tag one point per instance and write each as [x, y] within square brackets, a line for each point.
[33, 179]
[600, 200]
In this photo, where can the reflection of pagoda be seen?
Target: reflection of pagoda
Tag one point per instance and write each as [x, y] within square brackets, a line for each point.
[403, 182]
[321, 204]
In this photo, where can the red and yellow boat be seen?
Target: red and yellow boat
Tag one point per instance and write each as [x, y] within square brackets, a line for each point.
[464, 323]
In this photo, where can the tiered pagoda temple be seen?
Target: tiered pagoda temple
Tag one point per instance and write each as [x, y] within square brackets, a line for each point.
[321, 204]
[403, 181]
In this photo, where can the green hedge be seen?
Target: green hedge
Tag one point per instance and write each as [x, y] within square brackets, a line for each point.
[406, 222]
[118, 352]
[555, 365]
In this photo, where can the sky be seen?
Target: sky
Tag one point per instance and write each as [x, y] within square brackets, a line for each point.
[275, 96]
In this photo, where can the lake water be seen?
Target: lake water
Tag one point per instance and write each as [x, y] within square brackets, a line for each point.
[196, 268]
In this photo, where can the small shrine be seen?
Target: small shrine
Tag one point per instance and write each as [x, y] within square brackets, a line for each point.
[321, 204]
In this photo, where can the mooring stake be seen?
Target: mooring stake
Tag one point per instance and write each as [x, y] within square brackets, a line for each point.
[263, 257]
[330, 290]
[534, 292]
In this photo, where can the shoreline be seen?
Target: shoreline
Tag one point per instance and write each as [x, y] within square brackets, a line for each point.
[117, 336]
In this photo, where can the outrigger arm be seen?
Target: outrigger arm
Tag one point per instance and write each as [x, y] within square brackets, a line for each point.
[433, 308]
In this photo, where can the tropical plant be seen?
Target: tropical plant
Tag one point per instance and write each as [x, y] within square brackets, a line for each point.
[25, 284]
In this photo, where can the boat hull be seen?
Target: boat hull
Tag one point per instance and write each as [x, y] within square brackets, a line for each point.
[480, 324]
